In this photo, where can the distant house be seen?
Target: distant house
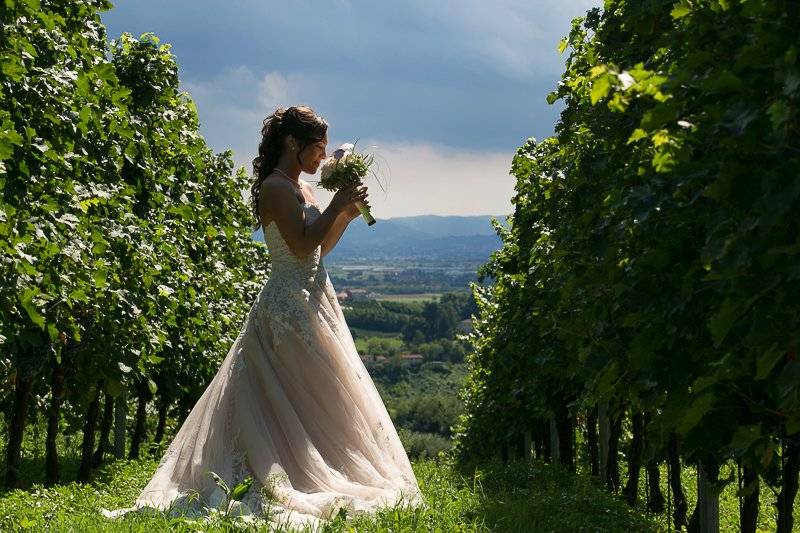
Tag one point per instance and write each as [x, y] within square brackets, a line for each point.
[368, 357]
[464, 326]
[411, 358]
[342, 296]
[357, 294]
[406, 358]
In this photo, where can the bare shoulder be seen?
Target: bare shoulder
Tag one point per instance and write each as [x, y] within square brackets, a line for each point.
[273, 183]
[275, 189]
[273, 196]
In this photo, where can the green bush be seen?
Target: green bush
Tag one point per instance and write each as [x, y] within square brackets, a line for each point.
[422, 445]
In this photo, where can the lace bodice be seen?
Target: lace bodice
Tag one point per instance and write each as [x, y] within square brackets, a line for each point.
[286, 267]
[284, 300]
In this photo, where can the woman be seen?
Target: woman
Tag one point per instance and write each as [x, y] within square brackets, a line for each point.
[292, 404]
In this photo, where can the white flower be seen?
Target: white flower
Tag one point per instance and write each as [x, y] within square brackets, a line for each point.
[625, 79]
[339, 155]
[343, 150]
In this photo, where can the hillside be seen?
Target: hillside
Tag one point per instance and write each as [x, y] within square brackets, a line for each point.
[424, 236]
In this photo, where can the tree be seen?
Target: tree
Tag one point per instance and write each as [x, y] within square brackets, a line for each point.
[650, 264]
[125, 241]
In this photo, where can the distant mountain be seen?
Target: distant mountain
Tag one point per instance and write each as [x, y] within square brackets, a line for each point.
[425, 236]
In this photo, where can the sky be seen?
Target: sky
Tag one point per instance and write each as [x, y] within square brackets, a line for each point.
[442, 92]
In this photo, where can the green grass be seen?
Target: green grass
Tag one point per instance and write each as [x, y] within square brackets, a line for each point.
[728, 502]
[548, 498]
[495, 498]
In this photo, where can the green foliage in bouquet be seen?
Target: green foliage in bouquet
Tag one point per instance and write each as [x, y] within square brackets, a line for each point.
[347, 168]
[347, 171]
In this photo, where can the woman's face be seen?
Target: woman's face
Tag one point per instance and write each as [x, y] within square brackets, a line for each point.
[312, 155]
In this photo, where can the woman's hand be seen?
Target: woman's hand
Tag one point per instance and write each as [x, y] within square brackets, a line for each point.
[344, 200]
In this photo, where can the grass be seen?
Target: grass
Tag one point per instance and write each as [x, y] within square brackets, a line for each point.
[728, 502]
[548, 498]
[500, 498]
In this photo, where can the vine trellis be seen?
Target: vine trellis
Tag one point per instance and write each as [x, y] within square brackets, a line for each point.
[650, 272]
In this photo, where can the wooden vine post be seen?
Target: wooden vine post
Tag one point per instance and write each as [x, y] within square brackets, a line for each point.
[555, 453]
[120, 415]
[707, 498]
[527, 441]
[604, 428]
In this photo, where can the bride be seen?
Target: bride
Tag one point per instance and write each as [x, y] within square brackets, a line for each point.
[292, 404]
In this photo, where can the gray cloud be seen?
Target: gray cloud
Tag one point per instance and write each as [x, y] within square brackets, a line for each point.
[461, 77]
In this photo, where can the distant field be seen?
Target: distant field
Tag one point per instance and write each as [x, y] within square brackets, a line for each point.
[361, 343]
[363, 333]
[420, 297]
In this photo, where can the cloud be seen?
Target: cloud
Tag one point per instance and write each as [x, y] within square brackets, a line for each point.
[424, 178]
[421, 177]
[345, 5]
[451, 88]
[233, 104]
[511, 39]
[216, 103]
[275, 91]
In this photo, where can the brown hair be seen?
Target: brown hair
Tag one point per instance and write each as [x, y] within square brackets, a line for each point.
[299, 121]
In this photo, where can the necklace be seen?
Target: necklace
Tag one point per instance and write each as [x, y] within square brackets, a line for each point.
[285, 175]
[295, 183]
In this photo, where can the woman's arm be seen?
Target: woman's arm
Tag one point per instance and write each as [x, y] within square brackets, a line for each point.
[348, 214]
[335, 233]
[278, 199]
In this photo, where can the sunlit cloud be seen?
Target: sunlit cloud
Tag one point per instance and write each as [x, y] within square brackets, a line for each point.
[275, 91]
[429, 179]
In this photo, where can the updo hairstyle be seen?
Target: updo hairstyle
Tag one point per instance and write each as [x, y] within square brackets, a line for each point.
[299, 121]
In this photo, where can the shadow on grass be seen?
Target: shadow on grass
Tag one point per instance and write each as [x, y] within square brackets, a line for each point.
[521, 497]
[32, 469]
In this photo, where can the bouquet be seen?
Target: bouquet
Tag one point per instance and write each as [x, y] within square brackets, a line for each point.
[346, 168]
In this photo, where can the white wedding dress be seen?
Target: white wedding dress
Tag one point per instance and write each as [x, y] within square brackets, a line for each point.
[293, 406]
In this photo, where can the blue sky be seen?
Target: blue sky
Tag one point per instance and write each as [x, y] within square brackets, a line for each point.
[443, 92]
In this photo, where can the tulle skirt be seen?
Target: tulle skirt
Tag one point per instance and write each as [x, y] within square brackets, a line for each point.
[292, 406]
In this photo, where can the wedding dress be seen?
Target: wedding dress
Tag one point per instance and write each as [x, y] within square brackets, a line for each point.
[293, 406]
